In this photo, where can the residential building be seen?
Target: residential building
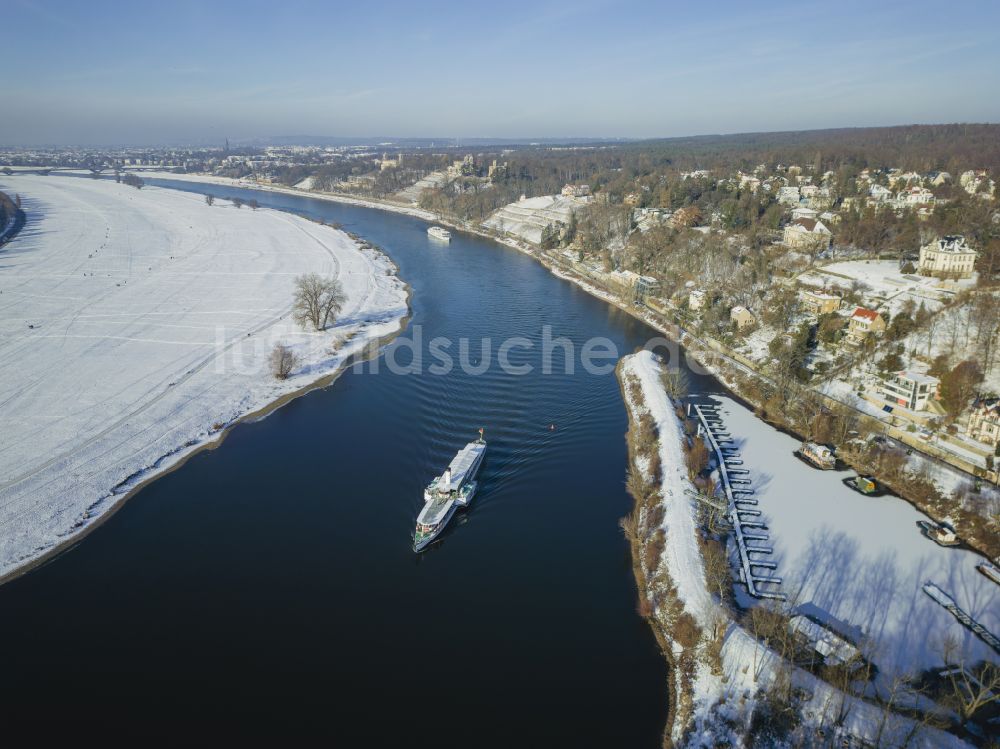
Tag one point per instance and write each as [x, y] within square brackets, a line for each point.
[576, 191]
[909, 389]
[984, 422]
[807, 233]
[818, 303]
[803, 212]
[741, 317]
[644, 287]
[788, 195]
[972, 182]
[863, 322]
[939, 178]
[948, 256]
[880, 193]
[696, 300]
[914, 196]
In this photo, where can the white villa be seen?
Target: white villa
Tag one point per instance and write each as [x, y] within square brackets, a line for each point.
[984, 422]
[909, 389]
[914, 196]
[807, 233]
[948, 256]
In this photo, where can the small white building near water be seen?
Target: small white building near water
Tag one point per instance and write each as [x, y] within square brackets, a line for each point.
[833, 648]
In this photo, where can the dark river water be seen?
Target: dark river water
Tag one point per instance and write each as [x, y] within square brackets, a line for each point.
[269, 586]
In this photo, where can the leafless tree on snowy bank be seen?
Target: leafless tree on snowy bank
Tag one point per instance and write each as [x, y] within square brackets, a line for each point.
[317, 300]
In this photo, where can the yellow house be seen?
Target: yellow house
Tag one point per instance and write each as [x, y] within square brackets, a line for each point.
[818, 303]
[863, 322]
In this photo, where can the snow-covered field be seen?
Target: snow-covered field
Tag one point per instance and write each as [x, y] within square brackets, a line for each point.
[210, 179]
[886, 286]
[860, 559]
[135, 324]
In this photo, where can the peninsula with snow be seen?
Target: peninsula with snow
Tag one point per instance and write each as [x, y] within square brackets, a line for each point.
[136, 325]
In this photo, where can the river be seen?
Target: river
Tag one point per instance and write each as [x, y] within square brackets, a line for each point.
[269, 585]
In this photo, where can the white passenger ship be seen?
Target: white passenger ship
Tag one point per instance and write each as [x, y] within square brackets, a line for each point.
[452, 489]
[439, 233]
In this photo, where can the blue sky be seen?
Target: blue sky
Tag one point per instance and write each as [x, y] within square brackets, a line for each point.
[145, 73]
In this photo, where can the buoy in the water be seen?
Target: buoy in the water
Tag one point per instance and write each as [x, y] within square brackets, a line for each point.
[552, 427]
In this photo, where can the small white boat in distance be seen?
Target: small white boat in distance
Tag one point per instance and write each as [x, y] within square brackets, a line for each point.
[452, 489]
[439, 233]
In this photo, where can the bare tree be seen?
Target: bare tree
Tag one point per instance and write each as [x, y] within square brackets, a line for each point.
[675, 381]
[209, 199]
[317, 300]
[283, 361]
[971, 689]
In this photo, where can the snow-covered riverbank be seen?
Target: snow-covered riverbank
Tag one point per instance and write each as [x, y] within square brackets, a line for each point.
[211, 179]
[136, 324]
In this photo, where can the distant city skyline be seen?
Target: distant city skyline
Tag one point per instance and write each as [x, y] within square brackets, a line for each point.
[106, 73]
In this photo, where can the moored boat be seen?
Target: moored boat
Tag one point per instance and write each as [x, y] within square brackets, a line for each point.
[862, 484]
[439, 233]
[939, 533]
[820, 456]
[445, 494]
[990, 570]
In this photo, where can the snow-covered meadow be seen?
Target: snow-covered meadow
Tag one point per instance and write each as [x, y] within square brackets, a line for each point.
[136, 324]
[884, 285]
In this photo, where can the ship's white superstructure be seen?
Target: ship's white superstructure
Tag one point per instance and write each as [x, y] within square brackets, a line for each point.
[452, 489]
[440, 233]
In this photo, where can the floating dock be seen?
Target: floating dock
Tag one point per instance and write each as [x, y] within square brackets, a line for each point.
[953, 608]
[738, 494]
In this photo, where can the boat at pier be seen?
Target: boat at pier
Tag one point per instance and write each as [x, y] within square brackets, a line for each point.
[939, 533]
[990, 570]
[820, 456]
[863, 485]
[439, 233]
[452, 489]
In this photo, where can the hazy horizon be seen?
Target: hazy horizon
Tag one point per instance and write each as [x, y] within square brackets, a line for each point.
[192, 73]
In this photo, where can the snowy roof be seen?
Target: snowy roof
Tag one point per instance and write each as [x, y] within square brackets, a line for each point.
[862, 313]
[987, 404]
[920, 379]
[832, 647]
[462, 462]
[819, 294]
[952, 243]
